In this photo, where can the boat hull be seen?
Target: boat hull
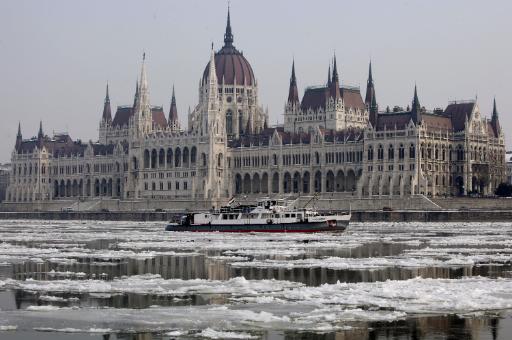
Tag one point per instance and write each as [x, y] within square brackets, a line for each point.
[299, 227]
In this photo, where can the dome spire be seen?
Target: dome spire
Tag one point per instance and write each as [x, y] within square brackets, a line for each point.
[228, 36]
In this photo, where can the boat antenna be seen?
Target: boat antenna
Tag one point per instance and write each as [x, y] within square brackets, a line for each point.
[315, 197]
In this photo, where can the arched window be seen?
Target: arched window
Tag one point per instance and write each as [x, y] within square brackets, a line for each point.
[401, 152]
[370, 153]
[412, 151]
[391, 152]
[380, 152]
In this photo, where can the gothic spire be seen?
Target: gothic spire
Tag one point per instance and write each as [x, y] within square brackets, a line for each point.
[40, 134]
[370, 77]
[19, 138]
[494, 120]
[416, 107]
[173, 112]
[335, 82]
[494, 110]
[142, 94]
[228, 36]
[329, 76]
[136, 96]
[107, 112]
[293, 93]
[335, 71]
[212, 73]
[370, 88]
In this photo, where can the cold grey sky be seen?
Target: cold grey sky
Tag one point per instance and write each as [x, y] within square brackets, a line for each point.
[56, 56]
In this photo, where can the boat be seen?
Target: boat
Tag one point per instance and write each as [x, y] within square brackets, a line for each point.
[268, 215]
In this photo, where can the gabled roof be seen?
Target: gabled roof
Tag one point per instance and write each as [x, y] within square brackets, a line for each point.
[390, 121]
[316, 97]
[123, 114]
[458, 113]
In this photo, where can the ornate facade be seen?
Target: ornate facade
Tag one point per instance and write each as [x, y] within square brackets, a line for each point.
[331, 141]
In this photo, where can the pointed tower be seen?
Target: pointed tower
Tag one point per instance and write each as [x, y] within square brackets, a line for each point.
[292, 106]
[19, 137]
[495, 120]
[329, 76]
[136, 96]
[107, 112]
[293, 92]
[173, 121]
[143, 119]
[334, 89]
[370, 99]
[370, 88]
[212, 91]
[40, 133]
[228, 36]
[416, 108]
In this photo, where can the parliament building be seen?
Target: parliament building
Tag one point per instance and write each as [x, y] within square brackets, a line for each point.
[332, 141]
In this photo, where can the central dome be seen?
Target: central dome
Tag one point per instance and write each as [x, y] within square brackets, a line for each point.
[230, 64]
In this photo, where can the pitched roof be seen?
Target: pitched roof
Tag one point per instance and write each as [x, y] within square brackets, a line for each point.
[123, 114]
[393, 120]
[316, 97]
[458, 113]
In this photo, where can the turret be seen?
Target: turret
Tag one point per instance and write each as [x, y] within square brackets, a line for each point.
[416, 108]
[293, 92]
[334, 89]
[142, 110]
[329, 76]
[494, 120]
[107, 112]
[173, 113]
[40, 134]
[370, 99]
[19, 137]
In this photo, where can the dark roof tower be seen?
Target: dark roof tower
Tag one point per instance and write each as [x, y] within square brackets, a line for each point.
[370, 87]
[107, 112]
[173, 111]
[19, 137]
[136, 96]
[40, 133]
[329, 76]
[370, 99]
[495, 122]
[334, 89]
[293, 92]
[416, 107]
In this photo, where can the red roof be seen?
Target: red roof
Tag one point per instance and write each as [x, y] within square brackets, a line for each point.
[124, 113]
[316, 98]
[232, 67]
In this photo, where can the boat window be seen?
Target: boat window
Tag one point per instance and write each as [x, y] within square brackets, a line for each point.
[292, 215]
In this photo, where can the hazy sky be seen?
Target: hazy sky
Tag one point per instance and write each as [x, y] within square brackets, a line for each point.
[56, 56]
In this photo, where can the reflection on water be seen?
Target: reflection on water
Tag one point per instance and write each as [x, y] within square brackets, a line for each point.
[449, 327]
[90, 260]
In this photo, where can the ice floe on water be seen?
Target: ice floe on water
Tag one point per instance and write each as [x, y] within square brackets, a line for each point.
[152, 284]
[117, 261]
[214, 334]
